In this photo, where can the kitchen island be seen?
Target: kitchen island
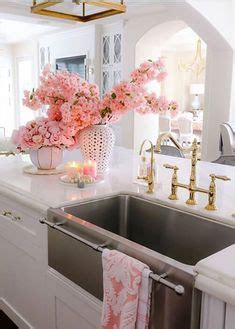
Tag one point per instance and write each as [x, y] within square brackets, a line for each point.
[40, 297]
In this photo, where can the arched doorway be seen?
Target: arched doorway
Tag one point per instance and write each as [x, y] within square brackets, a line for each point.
[219, 64]
[180, 46]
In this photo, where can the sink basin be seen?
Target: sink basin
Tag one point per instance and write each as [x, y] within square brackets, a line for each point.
[182, 236]
[168, 240]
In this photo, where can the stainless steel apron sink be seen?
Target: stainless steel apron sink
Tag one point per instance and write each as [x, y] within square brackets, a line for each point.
[167, 239]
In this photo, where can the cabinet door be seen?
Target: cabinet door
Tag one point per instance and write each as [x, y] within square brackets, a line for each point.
[117, 49]
[20, 226]
[69, 305]
[216, 314]
[67, 317]
[22, 282]
[111, 60]
[23, 263]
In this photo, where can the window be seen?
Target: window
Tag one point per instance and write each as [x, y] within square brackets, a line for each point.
[25, 82]
[6, 108]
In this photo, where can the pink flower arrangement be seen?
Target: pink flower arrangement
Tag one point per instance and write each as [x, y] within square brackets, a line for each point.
[43, 132]
[69, 98]
[74, 104]
[133, 95]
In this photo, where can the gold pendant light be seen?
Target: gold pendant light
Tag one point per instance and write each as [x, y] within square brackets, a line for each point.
[197, 65]
[89, 10]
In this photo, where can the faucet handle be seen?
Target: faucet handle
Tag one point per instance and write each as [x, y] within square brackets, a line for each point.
[221, 177]
[212, 191]
[168, 166]
[174, 181]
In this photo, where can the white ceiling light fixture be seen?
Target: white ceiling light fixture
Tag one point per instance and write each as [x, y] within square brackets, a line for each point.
[78, 10]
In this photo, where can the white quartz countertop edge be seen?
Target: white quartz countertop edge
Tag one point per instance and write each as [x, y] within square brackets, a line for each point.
[215, 288]
[27, 200]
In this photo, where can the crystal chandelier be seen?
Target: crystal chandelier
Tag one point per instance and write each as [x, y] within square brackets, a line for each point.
[78, 10]
[197, 65]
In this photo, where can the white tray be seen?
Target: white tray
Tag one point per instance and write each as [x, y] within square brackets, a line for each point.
[30, 169]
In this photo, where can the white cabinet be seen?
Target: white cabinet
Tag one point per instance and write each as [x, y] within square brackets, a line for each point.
[70, 307]
[111, 57]
[216, 314]
[31, 294]
[22, 265]
[111, 65]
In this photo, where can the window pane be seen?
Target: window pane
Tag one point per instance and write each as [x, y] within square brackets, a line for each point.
[6, 109]
[25, 81]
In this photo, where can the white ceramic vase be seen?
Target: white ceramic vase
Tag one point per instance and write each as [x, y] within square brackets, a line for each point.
[47, 157]
[96, 143]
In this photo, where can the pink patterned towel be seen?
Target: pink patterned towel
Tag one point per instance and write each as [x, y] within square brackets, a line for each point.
[127, 291]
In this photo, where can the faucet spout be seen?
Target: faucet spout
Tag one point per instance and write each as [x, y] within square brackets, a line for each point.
[166, 136]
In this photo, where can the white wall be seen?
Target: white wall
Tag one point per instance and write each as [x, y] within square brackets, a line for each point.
[220, 14]
[76, 42]
[177, 83]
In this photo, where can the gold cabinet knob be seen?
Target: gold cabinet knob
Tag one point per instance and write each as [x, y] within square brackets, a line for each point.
[9, 214]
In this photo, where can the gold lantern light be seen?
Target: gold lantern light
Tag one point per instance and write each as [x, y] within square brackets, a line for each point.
[78, 10]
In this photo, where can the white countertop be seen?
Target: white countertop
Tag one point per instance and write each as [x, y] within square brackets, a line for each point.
[42, 192]
[48, 191]
[216, 275]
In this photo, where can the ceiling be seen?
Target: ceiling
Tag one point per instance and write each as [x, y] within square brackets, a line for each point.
[12, 31]
[18, 24]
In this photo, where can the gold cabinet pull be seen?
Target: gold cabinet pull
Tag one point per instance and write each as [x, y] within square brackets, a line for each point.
[9, 214]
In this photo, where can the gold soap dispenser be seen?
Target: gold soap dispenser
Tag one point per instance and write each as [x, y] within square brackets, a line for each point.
[148, 176]
[143, 166]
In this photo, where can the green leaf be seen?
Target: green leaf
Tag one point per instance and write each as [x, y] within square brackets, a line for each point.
[113, 95]
[31, 94]
[104, 112]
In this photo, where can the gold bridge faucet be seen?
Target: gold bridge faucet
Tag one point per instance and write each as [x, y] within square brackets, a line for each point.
[192, 186]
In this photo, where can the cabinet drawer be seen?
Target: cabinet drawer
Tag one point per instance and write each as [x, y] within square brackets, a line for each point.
[20, 225]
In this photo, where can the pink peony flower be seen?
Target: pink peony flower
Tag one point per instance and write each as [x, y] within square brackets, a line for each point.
[42, 132]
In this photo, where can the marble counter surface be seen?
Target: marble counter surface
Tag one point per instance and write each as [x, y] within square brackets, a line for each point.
[48, 191]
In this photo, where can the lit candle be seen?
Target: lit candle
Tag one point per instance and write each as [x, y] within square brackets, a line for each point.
[80, 168]
[93, 169]
[73, 168]
[90, 168]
